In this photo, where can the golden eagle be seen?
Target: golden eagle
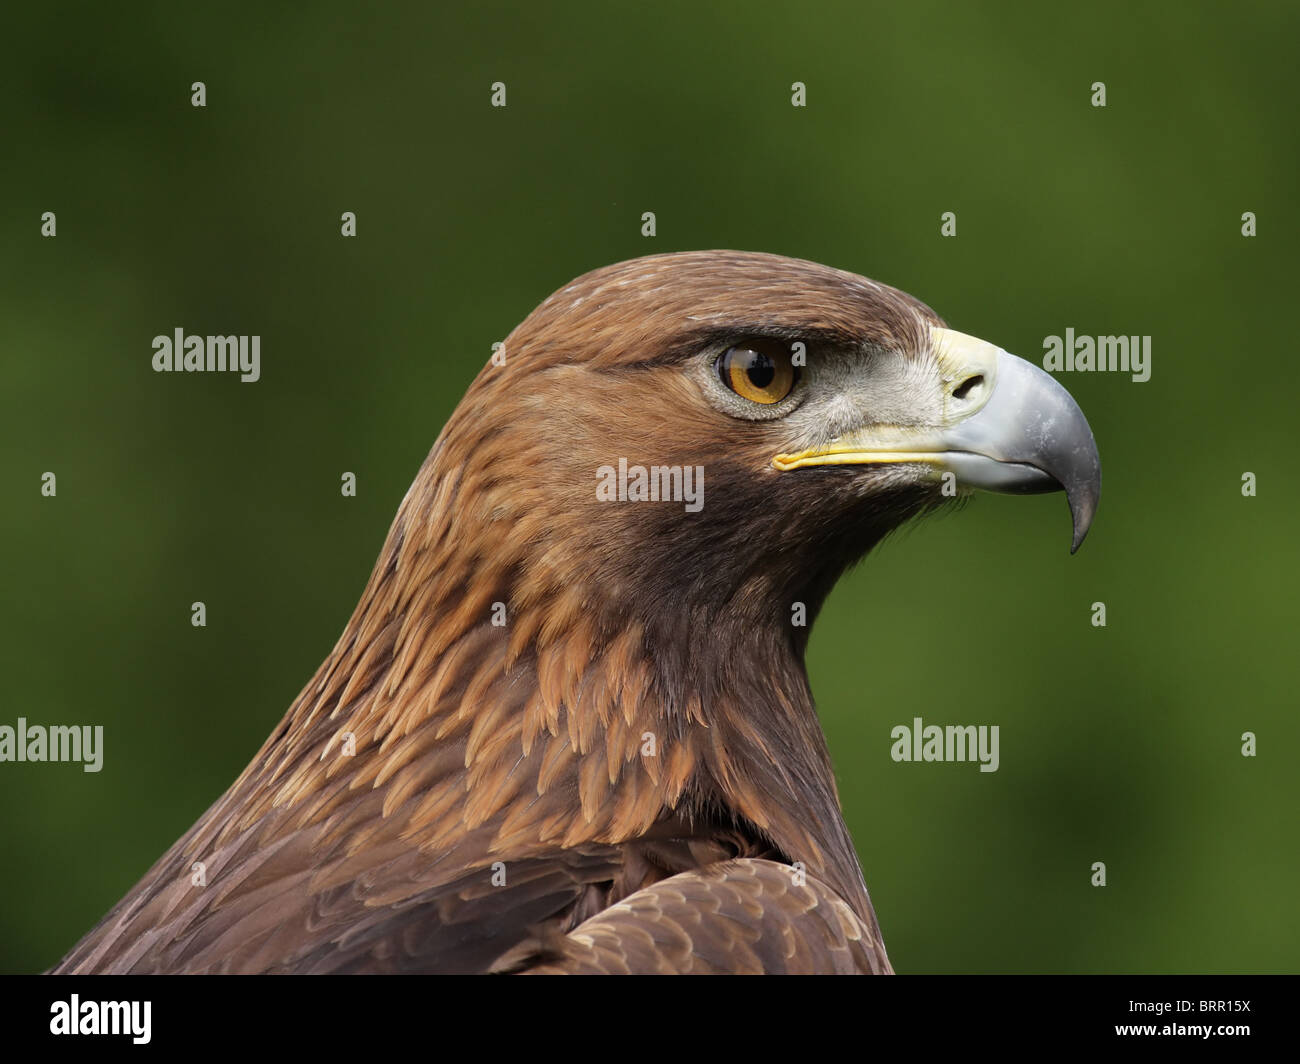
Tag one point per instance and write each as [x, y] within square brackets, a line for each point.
[568, 727]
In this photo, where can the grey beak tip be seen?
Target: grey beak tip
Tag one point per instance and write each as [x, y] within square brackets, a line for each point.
[1082, 510]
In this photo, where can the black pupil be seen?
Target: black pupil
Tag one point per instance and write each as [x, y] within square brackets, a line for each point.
[761, 369]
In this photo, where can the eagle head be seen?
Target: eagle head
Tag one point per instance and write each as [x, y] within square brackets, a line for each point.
[705, 438]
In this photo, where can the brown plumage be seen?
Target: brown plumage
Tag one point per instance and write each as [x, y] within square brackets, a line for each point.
[628, 775]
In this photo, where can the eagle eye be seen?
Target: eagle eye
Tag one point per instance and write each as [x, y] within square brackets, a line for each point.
[761, 371]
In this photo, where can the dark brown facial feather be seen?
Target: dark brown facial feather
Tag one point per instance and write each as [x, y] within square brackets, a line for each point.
[524, 745]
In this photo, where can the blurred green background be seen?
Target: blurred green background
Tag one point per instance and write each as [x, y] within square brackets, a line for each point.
[1119, 744]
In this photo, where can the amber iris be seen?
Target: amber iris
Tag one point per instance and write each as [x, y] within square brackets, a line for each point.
[761, 372]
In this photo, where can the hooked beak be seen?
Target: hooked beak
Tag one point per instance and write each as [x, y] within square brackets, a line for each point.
[1007, 426]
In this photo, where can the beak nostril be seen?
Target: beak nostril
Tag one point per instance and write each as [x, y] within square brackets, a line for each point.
[967, 386]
